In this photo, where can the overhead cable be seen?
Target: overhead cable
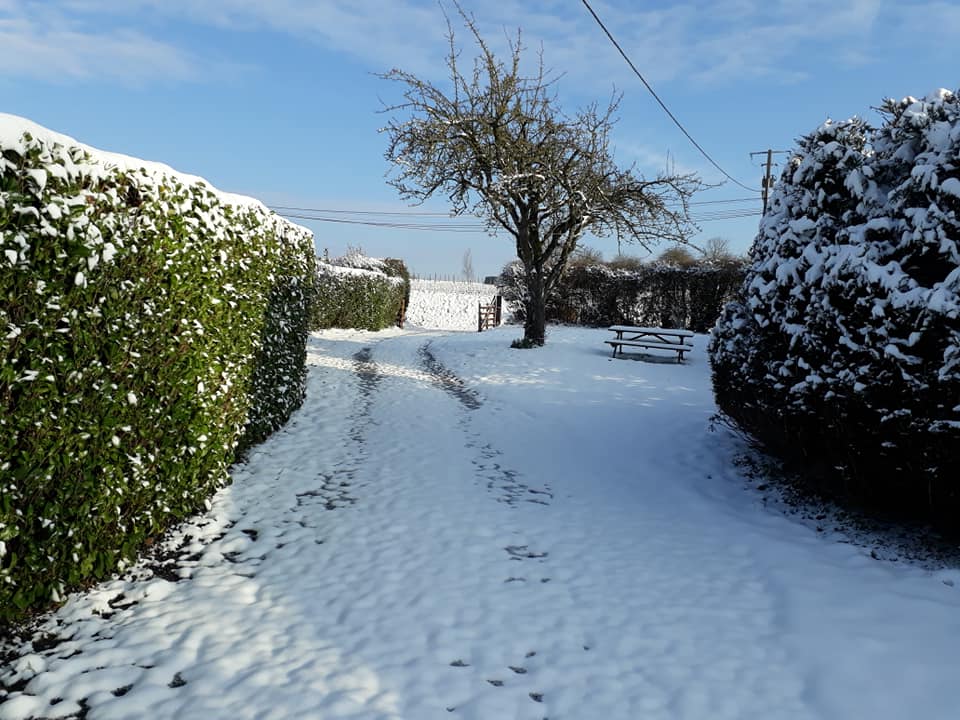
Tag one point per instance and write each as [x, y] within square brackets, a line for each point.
[662, 104]
[402, 213]
[438, 227]
[480, 228]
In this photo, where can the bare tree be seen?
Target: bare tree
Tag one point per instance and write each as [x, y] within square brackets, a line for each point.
[677, 255]
[584, 255]
[717, 250]
[625, 262]
[497, 146]
[467, 270]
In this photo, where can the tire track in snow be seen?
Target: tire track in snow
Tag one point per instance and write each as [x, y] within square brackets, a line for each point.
[336, 486]
[447, 380]
[506, 484]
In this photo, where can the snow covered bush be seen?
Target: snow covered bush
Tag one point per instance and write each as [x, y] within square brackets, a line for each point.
[658, 294]
[152, 328]
[844, 354]
[356, 291]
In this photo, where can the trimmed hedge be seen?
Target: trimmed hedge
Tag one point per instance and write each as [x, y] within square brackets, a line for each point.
[844, 354]
[348, 296]
[151, 331]
[658, 294]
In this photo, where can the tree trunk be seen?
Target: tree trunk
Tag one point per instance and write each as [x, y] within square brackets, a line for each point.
[535, 325]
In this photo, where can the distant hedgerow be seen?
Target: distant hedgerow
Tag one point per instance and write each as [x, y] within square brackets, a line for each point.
[360, 292]
[659, 294]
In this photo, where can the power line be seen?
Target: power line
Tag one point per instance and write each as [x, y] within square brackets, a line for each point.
[400, 213]
[716, 212]
[280, 209]
[727, 216]
[453, 225]
[439, 227]
[727, 206]
[717, 202]
[752, 201]
[468, 228]
[665, 108]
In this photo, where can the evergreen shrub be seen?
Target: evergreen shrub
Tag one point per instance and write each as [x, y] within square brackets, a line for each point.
[150, 330]
[844, 354]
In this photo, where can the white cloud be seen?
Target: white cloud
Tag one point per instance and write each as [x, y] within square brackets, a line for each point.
[701, 41]
[730, 40]
[39, 42]
[127, 56]
[377, 33]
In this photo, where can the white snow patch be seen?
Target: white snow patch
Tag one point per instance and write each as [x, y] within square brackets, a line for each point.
[448, 305]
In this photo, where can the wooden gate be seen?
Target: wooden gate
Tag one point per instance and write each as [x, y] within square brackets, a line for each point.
[489, 315]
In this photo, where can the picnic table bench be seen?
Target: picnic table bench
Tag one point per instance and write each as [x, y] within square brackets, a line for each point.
[653, 338]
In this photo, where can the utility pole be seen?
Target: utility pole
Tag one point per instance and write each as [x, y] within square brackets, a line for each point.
[767, 178]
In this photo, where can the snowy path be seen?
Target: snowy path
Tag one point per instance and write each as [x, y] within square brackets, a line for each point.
[449, 529]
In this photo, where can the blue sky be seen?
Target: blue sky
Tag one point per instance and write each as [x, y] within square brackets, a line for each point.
[279, 99]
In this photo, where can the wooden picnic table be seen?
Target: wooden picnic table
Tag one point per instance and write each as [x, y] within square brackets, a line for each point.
[654, 338]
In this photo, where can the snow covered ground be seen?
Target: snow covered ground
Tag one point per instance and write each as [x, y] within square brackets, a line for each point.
[447, 305]
[452, 529]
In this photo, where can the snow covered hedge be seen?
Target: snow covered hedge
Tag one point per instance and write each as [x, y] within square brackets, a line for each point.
[448, 304]
[152, 328]
[357, 291]
[657, 294]
[845, 352]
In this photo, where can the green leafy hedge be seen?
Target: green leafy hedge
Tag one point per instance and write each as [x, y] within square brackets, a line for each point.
[150, 331]
[352, 297]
